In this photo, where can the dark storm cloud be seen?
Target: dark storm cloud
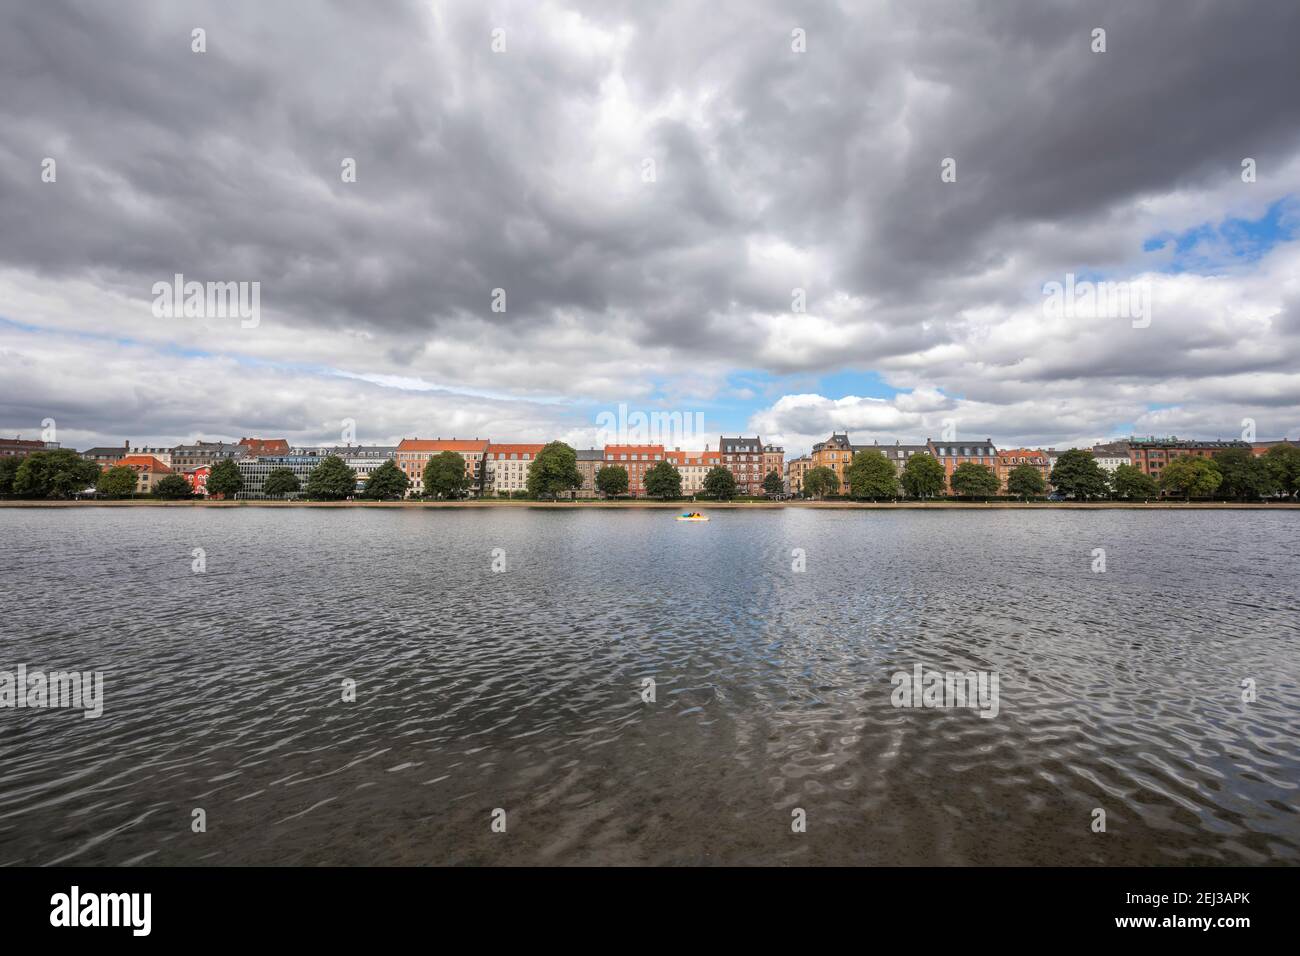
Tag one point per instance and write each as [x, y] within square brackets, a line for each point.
[228, 163]
[523, 170]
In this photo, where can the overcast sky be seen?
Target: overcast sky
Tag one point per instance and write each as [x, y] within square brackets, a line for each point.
[649, 183]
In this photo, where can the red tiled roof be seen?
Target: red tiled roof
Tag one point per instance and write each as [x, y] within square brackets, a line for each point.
[258, 447]
[694, 457]
[532, 450]
[443, 444]
[141, 463]
[1021, 453]
[634, 449]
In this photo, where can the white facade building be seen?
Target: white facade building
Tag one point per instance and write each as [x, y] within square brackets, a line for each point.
[1111, 456]
[506, 468]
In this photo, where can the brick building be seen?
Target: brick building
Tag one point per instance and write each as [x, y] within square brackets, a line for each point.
[743, 457]
[1261, 447]
[950, 454]
[1150, 455]
[1009, 459]
[21, 447]
[636, 460]
[414, 453]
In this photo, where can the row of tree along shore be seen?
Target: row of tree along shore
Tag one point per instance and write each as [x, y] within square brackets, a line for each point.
[1230, 475]
[1233, 474]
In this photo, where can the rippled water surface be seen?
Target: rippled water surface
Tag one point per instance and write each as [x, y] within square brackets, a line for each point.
[521, 690]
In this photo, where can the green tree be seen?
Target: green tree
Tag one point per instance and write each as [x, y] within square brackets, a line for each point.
[117, 482]
[225, 480]
[1190, 476]
[720, 483]
[1130, 481]
[280, 482]
[663, 481]
[611, 481]
[772, 484]
[974, 480]
[386, 482]
[54, 474]
[1245, 475]
[1284, 462]
[1026, 481]
[1077, 473]
[444, 475]
[554, 472]
[172, 486]
[923, 476]
[8, 468]
[332, 480]
[821, 481]
[870, 475]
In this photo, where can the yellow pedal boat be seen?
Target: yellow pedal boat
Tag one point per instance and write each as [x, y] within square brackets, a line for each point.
[692, 516]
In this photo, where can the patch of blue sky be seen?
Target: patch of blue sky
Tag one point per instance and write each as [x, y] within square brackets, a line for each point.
[749, 391]
[1214, 247]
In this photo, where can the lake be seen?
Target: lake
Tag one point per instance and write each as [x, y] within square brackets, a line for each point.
[360, 686]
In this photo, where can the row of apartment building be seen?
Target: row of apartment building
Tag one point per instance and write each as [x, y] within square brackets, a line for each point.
[491, 468]
[1149, 455]
[494, 468]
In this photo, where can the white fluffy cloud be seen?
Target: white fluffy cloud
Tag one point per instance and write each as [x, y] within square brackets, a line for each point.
[525, 170]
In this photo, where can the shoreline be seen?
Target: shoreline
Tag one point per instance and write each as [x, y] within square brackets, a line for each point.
[702, 505]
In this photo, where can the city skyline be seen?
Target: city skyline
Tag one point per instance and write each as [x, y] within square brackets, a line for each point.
[348, 438]
[751, 218]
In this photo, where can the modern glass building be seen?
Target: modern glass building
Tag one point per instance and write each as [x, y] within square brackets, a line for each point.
[363, 459]
[255, 471]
